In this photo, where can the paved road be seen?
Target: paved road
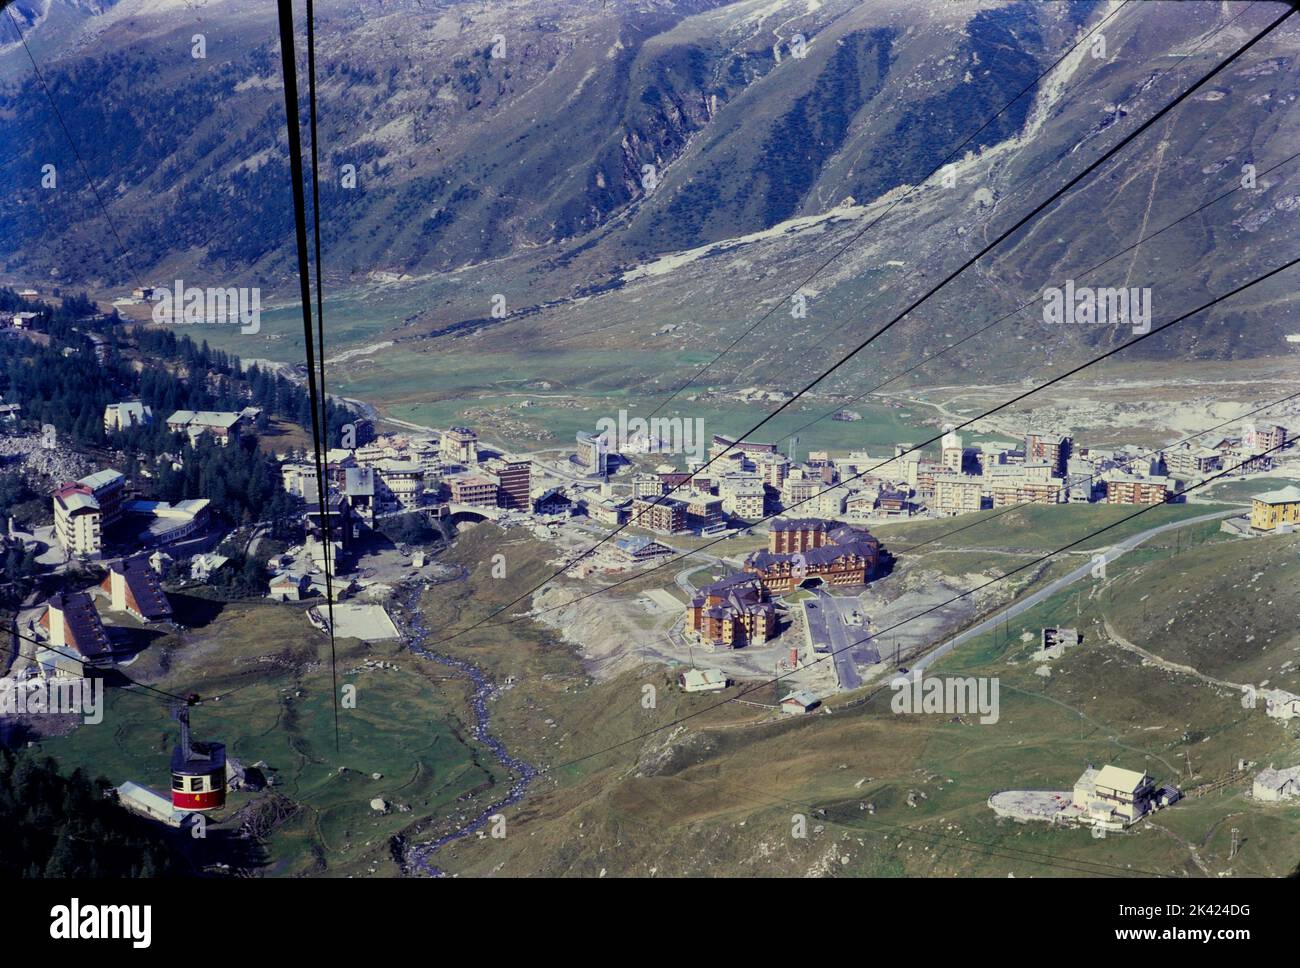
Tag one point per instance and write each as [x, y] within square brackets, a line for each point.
[1111, 553]
[826, 625]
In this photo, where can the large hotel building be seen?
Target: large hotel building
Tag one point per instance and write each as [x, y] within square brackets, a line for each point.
[806, 548]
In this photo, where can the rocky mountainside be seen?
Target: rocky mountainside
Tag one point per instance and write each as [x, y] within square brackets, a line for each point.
[666, 162]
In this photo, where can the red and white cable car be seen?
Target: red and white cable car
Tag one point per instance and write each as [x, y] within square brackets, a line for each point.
[198, 769]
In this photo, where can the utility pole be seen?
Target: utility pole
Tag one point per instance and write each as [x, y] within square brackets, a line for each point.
[1236, 843]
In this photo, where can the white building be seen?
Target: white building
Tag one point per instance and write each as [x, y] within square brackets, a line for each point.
[703, 680]
[459, 446]
[400, 483]
[743, 495]
[220, 424]
[122, 416]
[1274, 786]
[1114, 797]
[957, 494]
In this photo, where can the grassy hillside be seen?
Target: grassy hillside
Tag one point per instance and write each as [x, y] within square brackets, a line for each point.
[408, 726]
[713, 796]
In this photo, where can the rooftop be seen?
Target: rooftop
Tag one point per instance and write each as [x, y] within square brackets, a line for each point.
[1287, 495]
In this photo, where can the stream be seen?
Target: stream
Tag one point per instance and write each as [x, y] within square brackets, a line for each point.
[420, 855]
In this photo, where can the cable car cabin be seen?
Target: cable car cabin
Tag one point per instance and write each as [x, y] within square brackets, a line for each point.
[198, 769]
[199, 780]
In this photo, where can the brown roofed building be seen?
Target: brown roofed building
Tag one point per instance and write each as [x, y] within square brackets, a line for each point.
[788, 535]
[74, 626]
[732, 613]
[133, 587]
[845, 556]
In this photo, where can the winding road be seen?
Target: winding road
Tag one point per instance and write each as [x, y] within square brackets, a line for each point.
[1047, 591]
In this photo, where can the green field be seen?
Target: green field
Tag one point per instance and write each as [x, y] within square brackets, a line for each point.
[1038, 528]
[407, 726]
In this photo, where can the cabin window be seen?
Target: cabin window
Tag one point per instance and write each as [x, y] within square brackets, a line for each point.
[178, 783]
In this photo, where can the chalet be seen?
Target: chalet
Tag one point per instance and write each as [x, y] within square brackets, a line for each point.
[221, 425]
[288, 586]
[122, 416]
[702, 680]
[203, 567]
[893, 503]
[800, 702]
[553, 502]
[639, 549]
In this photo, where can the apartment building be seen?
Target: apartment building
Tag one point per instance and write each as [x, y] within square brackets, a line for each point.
[835, 553]
[399, 483]
[1019, 491]
[721, 445]
[1128, 489]
[592, 453]
[951, 451]
[109, 489]
[743, 495]
[73, 625]
[1275, 509]
[960, 494]
[473, 490]
[1053, 449]
[1257, 437]
[787, 536]
[459, 446]
[1190, 463]
[513, 476]
[299, 479]
[608, 511]
[134, 587]
[664, 515]
[647, 486]
[772, 468]
[84, 509]
[704, 513]
[78, 523]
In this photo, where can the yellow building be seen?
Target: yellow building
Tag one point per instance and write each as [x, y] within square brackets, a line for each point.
[1275, 508]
